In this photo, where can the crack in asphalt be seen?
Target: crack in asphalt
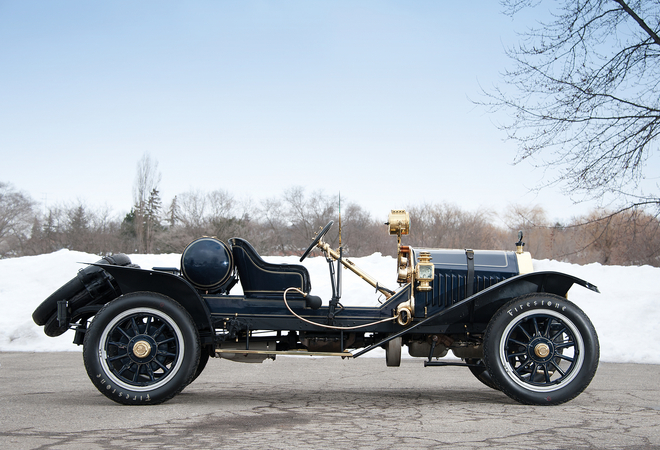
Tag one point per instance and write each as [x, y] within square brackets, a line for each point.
[366, 420]
[298, 405]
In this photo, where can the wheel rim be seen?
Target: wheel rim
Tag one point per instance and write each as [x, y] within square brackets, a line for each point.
[542, 352]
[141, 349]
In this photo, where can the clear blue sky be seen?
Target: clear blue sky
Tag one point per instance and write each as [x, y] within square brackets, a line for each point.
[370, 98]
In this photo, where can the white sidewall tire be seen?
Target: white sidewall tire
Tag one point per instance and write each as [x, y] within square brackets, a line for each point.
[103, 357]
[561, 388]
[575, 369]
[179, 369]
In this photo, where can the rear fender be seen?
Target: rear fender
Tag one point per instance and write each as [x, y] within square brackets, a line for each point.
[131, 279]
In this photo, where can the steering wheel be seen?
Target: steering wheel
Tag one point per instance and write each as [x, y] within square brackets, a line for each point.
[317, 239]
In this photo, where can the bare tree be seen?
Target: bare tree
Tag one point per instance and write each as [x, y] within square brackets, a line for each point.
[306, 214]
[278, 228]
[274, 236]
[79, 228]
[223, 220]
[16, 220]
[533, 222]
[447, 226]
[363, 235]
[51, 237]
[584, 93]
[192, 207]
[146, 202]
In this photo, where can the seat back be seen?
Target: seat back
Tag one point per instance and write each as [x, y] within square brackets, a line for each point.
[262, 279]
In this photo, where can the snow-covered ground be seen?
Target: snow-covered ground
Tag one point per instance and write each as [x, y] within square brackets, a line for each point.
[626, 314]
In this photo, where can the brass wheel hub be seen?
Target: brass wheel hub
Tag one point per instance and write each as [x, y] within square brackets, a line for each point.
[542, 350]
[141, 349]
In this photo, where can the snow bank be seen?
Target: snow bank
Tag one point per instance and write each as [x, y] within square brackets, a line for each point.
[626, 314]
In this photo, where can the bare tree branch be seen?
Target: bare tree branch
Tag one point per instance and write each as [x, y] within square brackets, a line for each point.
[583, 94]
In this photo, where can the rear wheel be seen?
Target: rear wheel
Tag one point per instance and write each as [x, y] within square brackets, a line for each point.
[203, 360]
[541, 349]
[142, 348]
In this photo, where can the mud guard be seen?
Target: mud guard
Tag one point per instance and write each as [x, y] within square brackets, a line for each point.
[132, 279]
[482, 305]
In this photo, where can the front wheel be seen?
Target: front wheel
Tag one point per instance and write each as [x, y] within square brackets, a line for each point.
[142, 348]
[541, 349]
[478, 369]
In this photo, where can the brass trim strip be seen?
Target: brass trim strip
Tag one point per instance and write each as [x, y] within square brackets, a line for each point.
[280, 352]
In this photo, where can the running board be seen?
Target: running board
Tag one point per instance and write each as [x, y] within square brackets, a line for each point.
[448, 363]
[239, 351]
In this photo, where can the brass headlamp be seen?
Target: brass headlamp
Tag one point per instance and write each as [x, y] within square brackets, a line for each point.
[399, 223]
[424, 272]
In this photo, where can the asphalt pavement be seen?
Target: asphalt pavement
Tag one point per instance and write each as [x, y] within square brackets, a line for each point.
[47, 402]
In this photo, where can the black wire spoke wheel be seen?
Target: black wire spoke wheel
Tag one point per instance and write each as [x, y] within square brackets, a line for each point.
[541, 349]
[141, 349]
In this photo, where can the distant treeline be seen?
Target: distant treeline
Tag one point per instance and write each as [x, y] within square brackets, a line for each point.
[285, 225]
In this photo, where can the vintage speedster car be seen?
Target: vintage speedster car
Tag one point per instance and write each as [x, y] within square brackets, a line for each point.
[152, 331]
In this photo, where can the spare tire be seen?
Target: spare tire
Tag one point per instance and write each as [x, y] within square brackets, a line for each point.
[48, 306]
[208, 264]
[53, 328]
[90, 283]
